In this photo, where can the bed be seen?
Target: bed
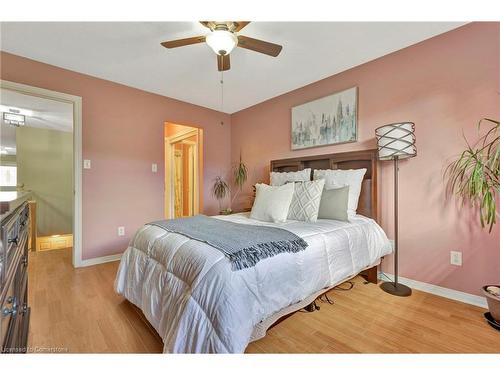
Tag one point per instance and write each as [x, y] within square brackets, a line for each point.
[197, 304]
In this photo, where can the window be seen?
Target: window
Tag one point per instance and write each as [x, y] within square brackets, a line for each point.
[8, 175]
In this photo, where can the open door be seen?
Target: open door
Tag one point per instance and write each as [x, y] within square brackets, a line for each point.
[182, 170]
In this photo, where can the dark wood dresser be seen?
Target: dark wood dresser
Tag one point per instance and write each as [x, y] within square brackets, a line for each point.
[14, 310]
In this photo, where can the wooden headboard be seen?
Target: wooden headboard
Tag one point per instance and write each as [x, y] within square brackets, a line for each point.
[367, 204]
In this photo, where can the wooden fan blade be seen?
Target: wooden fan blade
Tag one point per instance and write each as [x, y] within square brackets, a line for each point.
[257, 45]
[238, 25]
[223, 63]
[183, 42]
[209, 24]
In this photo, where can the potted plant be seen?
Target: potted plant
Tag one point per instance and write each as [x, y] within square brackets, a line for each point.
[475, 177]
[240, 175]
[221, 188]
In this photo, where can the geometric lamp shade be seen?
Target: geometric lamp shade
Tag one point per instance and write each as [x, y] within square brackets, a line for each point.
[396, 139]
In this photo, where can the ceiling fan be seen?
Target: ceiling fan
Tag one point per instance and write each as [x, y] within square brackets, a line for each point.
[223, 38]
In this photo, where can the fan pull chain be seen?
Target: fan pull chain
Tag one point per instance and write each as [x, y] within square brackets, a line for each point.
[222, 94]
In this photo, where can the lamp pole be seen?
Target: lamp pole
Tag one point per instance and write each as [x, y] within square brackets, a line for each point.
[396, 221]
[396, 141]
[395, 288]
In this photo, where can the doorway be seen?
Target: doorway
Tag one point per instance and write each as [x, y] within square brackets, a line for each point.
[38, 150]
[183, 160]
[72, 234]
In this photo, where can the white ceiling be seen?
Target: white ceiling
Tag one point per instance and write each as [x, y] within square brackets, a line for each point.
[40, 113]
[130, 53]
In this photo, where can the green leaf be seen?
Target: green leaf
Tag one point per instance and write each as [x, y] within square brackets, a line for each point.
[474, 175]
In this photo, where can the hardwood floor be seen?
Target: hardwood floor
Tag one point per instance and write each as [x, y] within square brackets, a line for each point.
[76, 310]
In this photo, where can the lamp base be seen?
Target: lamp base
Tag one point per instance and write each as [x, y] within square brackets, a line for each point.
[398, 289]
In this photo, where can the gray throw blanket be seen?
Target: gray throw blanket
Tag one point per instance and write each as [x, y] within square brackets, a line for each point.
[243, 244]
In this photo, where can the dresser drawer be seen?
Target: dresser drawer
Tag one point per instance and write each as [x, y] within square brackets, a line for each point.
[17, 337]
[14, 310]
[21, 287]
[2, 263]
[8, 312]
[14, 231]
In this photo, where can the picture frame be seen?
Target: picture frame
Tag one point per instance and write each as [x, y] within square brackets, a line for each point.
[326, 121]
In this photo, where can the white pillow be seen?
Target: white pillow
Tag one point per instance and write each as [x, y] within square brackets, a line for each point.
[306, 200]
[281, 178]
[272, 202]
[336, 178]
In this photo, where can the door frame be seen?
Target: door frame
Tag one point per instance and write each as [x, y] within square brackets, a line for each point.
[192, 168]
[169, 165]
[174, 175]
[76, 101]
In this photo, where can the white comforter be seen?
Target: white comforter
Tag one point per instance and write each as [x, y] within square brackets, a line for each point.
[188, 292]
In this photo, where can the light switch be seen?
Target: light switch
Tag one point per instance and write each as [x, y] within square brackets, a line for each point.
[86, 164]
[456, 258]
[154, 167]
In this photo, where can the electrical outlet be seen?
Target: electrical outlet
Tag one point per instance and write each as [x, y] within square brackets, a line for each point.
[86, 164]
[154, 167]
[121, 231]
[456, 258]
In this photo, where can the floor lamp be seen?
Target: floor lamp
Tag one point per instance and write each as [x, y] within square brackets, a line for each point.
[395, 142]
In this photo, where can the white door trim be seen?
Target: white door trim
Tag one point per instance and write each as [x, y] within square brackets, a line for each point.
[77, 154]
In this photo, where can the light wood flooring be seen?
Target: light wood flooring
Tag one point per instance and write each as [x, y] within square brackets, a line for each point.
[76, 310]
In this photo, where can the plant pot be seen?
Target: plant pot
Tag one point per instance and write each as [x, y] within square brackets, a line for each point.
[493, 303]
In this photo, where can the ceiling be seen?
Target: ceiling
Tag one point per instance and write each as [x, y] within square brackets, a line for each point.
[130, 53]
[40, 113]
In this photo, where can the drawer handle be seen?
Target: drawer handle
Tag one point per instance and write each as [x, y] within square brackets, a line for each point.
[13, 240]
[12, 311]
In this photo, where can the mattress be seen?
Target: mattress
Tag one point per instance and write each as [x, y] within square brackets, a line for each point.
[197, 304]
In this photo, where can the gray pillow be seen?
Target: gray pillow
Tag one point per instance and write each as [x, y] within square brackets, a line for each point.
[334, 204]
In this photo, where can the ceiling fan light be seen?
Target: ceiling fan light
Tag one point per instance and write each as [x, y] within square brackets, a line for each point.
[222, 41]
[14, 119]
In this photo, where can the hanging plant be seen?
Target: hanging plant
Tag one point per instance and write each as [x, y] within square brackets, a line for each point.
[474, 176]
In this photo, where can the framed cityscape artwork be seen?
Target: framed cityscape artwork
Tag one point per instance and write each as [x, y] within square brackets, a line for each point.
[326, 121]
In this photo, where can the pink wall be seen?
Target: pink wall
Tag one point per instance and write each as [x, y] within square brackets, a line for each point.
[444, 85]
[123, 135]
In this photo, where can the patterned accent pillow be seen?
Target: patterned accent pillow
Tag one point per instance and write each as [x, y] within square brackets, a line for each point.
[306, 200]
[281, 178]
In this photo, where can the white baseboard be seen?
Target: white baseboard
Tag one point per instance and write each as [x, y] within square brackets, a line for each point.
[99, 260]
[456, 295]
[419, 285]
